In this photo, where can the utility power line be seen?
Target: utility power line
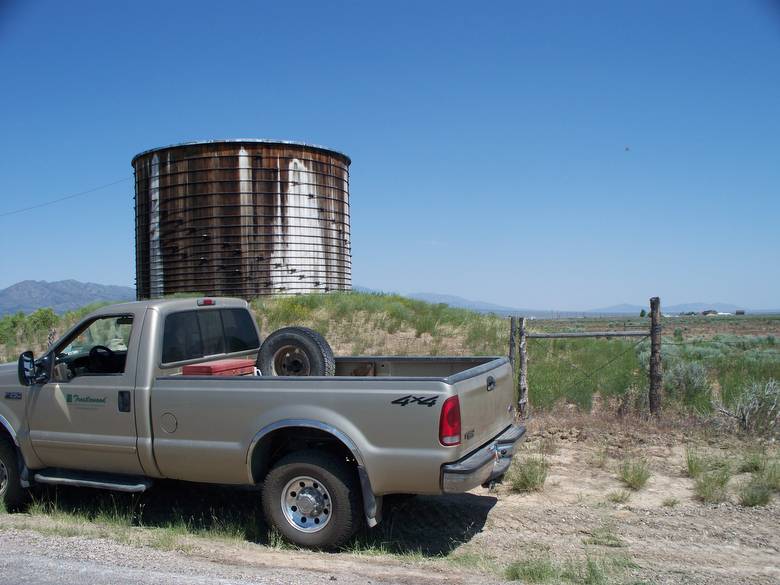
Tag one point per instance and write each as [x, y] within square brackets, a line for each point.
[53, 201]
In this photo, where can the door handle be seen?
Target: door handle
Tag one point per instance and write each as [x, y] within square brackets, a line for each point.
[491, 383]
[124, 401]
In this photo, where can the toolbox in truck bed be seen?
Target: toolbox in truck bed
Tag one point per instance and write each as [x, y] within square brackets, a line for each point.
[231, 367]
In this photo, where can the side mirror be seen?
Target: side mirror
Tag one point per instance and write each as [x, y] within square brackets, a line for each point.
[31, 372]
[26, 369]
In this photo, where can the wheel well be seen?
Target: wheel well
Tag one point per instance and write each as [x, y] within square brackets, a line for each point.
[5, 435]
[280, 442]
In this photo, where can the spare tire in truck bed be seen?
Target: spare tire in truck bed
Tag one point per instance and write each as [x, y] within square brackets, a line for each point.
[296, 351]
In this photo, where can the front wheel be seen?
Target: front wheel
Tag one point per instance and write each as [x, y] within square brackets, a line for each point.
[313, 499]
[12, 493]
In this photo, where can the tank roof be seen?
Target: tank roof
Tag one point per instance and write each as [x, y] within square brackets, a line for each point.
[244, 140]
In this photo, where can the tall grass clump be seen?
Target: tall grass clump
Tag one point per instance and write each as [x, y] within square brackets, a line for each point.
[711, 487]
[634, 472]
[528, 474]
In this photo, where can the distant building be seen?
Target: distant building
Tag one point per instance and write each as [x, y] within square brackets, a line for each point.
[709, 312]
[740, 312]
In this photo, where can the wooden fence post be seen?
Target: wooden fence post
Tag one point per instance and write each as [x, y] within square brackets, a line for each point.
[513, 344]
[523, 395]
[655, 356]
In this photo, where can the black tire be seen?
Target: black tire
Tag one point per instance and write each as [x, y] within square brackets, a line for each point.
[296, 351]
[12, 494]
[338, 479]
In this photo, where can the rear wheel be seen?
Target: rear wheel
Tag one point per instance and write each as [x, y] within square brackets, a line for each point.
[12, 493]
[313, 499]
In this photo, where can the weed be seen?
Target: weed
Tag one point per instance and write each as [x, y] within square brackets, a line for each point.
[634, 473]
[755, 493]
[694, 463]
[758, 408]
[604, 535]
[594, 573]
[670, 502]
[618, 496]
[534, 570]
[600, 458]
[548, 445]
[711, 486]
[771, 475]
[753, 460]
[528, 474]
[473, 561]
[590, 571]
[698, 463]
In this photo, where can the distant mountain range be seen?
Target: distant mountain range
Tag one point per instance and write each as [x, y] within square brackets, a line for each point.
[62, 295]
[65, 295]
[623, 309]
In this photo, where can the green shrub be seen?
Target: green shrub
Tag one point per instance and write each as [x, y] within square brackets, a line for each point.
[528, 474]
[687, 382]
[670, 502]
[755, 493]
[634, 473]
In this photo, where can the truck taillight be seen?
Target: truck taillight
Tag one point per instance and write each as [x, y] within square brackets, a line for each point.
[449, 423]
[206, 302]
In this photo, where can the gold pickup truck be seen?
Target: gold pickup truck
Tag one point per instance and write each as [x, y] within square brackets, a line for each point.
[111, 405]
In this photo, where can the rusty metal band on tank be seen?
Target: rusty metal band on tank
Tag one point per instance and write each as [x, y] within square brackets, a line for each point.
[241, 218]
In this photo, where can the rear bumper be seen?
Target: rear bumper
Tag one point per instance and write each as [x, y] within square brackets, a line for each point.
[486, 464]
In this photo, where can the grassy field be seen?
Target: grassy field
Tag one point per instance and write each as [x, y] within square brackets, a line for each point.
[708, 361]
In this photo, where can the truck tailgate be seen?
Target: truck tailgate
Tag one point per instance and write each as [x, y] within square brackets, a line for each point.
[486, 396]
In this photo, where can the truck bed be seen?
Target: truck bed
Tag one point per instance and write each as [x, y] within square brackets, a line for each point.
[388, 406]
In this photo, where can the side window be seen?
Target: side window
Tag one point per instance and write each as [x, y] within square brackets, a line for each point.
[240, 331]
[181, 337]
[98, 347]
[190, 335]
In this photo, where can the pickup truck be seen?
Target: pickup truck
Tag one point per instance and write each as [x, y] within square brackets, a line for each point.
[110, 406]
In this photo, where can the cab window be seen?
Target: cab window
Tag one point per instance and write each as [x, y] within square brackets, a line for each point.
[99, 347]
[189, 335]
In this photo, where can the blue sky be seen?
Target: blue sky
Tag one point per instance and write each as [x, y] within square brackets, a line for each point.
[488, 139]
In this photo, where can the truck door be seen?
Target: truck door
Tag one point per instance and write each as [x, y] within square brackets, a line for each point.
[84, 417]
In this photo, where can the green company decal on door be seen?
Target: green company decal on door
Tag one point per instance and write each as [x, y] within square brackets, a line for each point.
[85, 400]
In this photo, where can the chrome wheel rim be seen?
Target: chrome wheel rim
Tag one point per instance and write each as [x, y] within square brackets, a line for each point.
[291, 361]
[306, 504]
[3, 478]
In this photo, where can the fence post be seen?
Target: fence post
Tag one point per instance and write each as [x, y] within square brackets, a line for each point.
[655, 356]
[513, 347]
[523, 398]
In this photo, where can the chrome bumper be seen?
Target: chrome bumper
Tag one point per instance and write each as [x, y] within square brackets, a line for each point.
[485, 465]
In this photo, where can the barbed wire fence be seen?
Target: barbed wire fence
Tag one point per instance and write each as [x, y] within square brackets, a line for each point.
[518, 355]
